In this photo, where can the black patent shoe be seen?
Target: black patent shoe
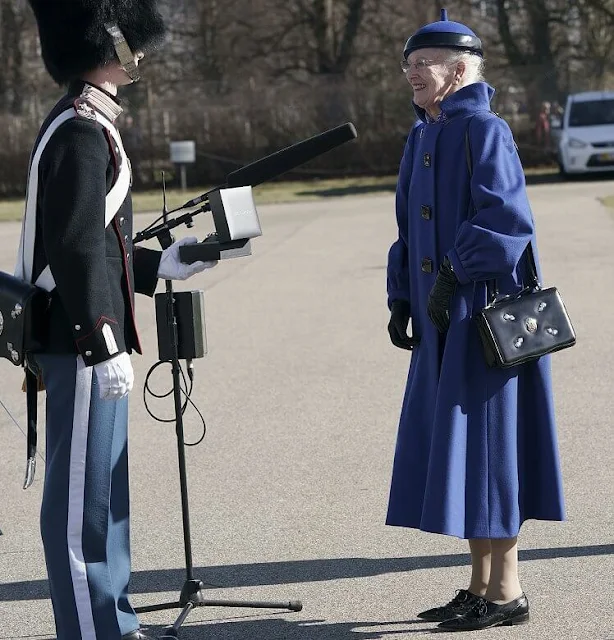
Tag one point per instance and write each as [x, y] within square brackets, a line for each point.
[136, 635]
[485, 614]
[460, 604]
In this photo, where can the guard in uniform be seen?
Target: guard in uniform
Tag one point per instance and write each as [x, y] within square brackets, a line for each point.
[76, 243]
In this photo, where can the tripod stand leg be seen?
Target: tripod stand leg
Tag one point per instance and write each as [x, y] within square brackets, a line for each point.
[173, 632]
[159, 607]
[292, 605]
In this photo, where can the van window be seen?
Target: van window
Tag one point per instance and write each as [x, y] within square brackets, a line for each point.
[591, 113]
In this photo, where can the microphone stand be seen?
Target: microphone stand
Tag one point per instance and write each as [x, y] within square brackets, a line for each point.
[191, 595]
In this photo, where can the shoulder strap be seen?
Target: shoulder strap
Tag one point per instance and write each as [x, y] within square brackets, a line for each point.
[528, 254]
[114, 200]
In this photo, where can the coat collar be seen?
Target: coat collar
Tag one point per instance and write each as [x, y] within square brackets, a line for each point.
[466, 101]
[102, 101]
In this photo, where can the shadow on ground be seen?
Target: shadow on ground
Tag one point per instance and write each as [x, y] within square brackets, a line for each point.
[390, 187]
[295, 571]
[282, 629]
[554, 178]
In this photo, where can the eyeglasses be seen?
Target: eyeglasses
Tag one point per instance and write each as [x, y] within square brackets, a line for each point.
[421, 63]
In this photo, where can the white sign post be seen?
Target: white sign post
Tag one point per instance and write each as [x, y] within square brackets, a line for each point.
[183, 153]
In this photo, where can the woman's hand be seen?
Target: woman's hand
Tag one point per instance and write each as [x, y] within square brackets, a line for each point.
[397, 327]
[440, 297]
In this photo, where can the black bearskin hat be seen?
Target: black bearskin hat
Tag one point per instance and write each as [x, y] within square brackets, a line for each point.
[74, 39]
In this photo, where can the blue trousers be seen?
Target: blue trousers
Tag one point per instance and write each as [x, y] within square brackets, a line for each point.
[85, 509]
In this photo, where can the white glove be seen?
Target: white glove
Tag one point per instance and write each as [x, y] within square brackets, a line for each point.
[171, 267]
[115, 377]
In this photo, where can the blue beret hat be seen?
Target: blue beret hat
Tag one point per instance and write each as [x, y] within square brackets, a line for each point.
[444, 34]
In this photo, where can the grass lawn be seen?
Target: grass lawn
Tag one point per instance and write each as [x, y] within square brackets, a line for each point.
[608, 202]
[271, 192]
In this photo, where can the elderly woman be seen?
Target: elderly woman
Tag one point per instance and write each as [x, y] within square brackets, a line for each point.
[476, 452]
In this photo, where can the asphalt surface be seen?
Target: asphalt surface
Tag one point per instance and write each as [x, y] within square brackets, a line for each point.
[301, 392]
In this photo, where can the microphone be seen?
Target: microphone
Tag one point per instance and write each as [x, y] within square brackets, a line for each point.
[283, 161]
[291, 157]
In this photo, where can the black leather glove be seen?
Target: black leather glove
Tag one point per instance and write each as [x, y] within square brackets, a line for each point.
[438, 307]
[397, 327]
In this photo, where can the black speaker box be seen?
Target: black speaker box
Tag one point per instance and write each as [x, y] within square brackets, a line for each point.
[191, 334]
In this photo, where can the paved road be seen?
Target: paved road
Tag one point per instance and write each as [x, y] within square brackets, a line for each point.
[301, 391]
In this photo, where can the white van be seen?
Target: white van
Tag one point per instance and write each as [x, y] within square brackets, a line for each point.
[586, 137]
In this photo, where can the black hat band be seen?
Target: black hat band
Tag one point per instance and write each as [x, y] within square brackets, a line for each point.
[443, 40]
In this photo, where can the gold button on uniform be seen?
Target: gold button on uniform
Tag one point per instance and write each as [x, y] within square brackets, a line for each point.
[427, 265]
[426, 211]
[427, 159]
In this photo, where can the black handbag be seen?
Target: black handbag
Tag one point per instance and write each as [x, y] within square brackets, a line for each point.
[23, 318]
[525, 326]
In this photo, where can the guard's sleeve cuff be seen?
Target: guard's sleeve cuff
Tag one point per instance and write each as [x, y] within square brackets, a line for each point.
[146, 265]
[103, 342]
[457, 265]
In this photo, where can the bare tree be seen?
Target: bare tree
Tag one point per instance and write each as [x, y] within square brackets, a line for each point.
[244, 77]
[594, 33]
[13, 37]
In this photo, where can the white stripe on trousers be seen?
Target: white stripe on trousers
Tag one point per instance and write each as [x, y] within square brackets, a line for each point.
[76, 499]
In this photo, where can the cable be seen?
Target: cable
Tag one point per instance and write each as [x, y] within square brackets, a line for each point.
[185, 391]
[23, 433]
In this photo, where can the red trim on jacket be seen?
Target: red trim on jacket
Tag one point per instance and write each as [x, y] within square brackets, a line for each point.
[138, 347]
[96, 328]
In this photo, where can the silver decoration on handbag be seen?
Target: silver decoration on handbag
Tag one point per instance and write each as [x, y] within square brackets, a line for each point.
[23, 318]
[13, 353]
[531, 325]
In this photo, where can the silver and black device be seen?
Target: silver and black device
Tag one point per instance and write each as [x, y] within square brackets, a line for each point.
[236, 224]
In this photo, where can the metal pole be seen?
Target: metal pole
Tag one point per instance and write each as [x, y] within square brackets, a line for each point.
[172, 321]
[184, 178]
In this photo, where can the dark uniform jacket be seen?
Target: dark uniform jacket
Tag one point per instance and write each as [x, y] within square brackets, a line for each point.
[96, 269]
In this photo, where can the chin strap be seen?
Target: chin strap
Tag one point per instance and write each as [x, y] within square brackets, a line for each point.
[123, 51]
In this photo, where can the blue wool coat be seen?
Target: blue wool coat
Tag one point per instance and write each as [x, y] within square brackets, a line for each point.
[476, 451]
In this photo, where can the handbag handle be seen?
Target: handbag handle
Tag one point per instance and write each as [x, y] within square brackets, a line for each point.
[528, 254]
